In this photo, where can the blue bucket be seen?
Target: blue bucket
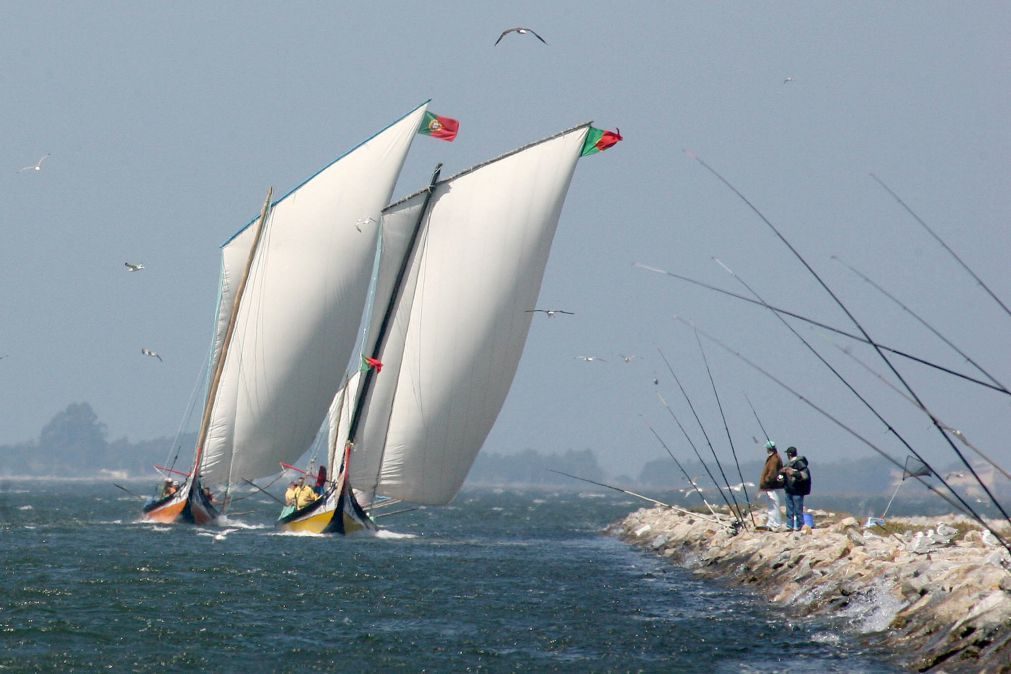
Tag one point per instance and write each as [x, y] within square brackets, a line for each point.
[809, 520]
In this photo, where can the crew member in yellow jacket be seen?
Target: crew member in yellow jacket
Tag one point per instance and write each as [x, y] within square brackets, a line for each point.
[299, 494]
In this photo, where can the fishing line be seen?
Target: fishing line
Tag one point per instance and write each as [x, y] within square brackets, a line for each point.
[683, 471]
[727, 428]
[854, 391]
[860, 327]
[824, 326]
[715, 483]
[823, 412]
[922, 322]
[940, 241]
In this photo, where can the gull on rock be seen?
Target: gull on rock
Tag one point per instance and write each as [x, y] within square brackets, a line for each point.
[522, 31]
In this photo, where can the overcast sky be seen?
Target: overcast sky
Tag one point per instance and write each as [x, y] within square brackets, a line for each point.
[167, 122]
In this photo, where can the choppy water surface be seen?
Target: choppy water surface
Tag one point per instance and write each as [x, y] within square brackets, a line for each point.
[498, 581]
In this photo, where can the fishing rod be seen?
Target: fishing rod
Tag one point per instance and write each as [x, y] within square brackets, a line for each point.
[923, 322]
[940, 241]
[683, 471]
[727, 429]
[688, 438]
[394, 512]
[954, 431]
[857, 394]
[836, 421]
[644, 498]
[860, 327]
[764, 432]
[824, 326]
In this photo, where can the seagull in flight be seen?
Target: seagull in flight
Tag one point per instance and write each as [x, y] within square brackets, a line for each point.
[628, 358]
[133, 266]
[787, 79]
[153, 354]
[590, 359]
[550, 312]
[522, 31]
[37, 166]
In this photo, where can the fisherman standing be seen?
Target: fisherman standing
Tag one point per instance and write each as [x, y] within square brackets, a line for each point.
[770, 482]
[797, 486]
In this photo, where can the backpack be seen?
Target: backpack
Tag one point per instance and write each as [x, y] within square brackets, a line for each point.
[802, 479]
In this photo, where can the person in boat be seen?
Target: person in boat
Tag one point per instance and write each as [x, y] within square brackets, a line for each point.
[320, 481]
[299, 494]
[797, 484]
[208, 495]
[304, 494]
[165, 486]
[770, 482]
[291, 494]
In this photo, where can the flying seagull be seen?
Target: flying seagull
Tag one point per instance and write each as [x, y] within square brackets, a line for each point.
[550, 312]
[628, 358]
[522, 31]
[590, 359]
[133, 266]
[787, 79]
[37, 166]
[153, 354]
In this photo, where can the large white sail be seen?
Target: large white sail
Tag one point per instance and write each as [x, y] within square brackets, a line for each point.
[297, 322]
[451, 358]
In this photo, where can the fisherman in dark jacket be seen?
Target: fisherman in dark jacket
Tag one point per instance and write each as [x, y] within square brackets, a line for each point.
[797, 477]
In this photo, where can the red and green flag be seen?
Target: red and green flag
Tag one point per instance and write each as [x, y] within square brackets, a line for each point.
[439, 127]
[371, 364]
[598, 140]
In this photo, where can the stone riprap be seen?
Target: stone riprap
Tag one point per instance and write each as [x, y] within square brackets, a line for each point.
[935, 591]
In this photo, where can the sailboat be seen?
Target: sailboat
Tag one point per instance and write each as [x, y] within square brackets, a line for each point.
[463, 263]
[294, 284]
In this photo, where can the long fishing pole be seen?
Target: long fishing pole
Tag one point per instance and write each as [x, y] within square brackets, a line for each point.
[824, 326]
[854, 392]
[644, 498]
[943, 244]
[860, 327]
[827, 415]
[923, 322]
[727, 429]
[954, 431]
[683, 471]
[764, 432]
[737, 513]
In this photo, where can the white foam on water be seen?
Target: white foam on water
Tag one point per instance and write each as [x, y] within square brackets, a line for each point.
[393, 535]
[26, 507]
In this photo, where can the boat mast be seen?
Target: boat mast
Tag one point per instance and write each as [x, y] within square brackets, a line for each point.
[229, 330]
[384, 327]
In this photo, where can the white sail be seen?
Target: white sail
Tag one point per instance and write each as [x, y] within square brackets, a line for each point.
[297, 322]
[451, 358]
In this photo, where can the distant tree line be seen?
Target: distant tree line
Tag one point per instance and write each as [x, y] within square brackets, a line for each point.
[75, 443]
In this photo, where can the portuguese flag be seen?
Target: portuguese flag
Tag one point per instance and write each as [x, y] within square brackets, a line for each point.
[598, 140]
[371, 364]
[439, 127]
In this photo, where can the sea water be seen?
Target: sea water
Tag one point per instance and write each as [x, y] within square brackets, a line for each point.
[499, 581]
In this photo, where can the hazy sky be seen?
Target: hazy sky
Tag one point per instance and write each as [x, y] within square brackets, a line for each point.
[168, 121]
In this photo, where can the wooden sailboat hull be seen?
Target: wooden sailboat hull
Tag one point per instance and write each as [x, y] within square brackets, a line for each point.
[335, 513]
[187, 507]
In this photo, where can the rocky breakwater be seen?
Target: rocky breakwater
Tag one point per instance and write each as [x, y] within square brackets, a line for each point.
[934, 591]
